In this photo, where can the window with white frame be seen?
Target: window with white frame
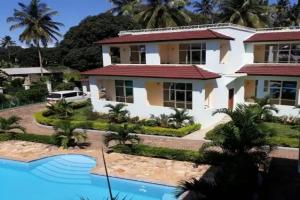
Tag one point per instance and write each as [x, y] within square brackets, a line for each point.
[192, 53]
[138, 54]
[282, 92]
[124, 91]
[178, 95]
[282, 53]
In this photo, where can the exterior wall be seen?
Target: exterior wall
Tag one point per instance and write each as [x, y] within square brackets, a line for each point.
[224, 51]
[141, 106]
[249, 90]
[259, 53]
[125, 54]
[152, 54]
[169, 53]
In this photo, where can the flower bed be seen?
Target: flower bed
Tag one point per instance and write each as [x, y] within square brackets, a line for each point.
[103, 126]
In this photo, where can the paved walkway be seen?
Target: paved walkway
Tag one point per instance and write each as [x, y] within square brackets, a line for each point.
[95, 137]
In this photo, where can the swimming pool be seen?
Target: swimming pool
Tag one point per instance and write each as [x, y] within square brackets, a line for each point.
[67, 177]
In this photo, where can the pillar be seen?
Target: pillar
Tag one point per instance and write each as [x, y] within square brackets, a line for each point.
[152, 54]
[106, 55]
[49, 86]
[260, 89]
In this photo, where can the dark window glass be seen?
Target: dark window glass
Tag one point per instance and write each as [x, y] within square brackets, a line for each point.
[115, 55]
[68, 95]
[179, 96]
[124, 91]
[54, 96]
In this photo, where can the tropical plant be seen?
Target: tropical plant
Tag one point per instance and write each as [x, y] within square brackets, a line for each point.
[124, 7]
[62, 108]
[10, 125]
[117, 113]
[263, 108]
[251, 13]
[7, 42]
[66, 135]
[39, 27]
[123, 134]
[163, 13]
[205, 8]
[161, 120]
[180, 117]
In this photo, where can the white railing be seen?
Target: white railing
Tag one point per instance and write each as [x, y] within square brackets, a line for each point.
[206, 26]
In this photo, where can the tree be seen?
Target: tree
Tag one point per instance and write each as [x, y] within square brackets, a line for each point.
[122, 134]
[282, 14]
[38, 26]
[10, 124]
[205, 8]
[163, 13]
[263, 108]
[251, 13]
[180, 117]
[124, 7]
[62, 108]
[6, 43]
[117, 113]
[66, 135]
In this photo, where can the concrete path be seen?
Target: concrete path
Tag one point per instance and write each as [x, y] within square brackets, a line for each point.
[192, 142]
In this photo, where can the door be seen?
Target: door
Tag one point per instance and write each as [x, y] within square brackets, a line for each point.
[230, 98]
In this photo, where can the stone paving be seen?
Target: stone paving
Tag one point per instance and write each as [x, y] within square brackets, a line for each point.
[119, 165]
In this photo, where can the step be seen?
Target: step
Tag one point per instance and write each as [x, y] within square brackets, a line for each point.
[60, 175]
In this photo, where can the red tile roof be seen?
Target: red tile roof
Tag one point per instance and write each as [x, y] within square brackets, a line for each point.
[271, 70]
[154, 71]
[275, 36]
[167, 36]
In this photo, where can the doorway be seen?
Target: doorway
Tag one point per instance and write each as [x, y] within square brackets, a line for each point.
[230, 98]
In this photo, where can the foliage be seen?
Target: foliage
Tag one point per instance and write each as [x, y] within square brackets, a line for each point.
[123, 134]
[37, 93]
[124, 7]
[62, 108]
[206, 8]
[158, 152]
[44, 139]
[180, 117]
[263, 108]
[251, 13]
[66, 135]
[3, 99]
[161, 120]
[117, 113]
[65, 86]
[72, 76]
[10, 125]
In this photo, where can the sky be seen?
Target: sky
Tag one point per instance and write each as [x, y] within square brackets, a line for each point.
[71, 12]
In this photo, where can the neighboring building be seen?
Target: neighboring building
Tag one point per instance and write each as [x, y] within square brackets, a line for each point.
[198, 68]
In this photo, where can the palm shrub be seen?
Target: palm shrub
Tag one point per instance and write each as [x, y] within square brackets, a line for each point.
[180, 117]
[263, 108]
[66, 135]
[63, 109]
[10, 125]
[123, 134]
[161, 120]
[117, 113]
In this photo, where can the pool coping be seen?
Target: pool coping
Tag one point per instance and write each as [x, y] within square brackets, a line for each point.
[91, 171]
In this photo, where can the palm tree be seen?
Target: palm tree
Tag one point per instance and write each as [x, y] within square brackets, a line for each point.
[263, 107]
[251, 13]
[117, 113]
[62, 108]
[122, 134]
[180, 117]
[8, 125]
[7, 42]
[66, 135]
[163, 13]
[125, 7]
[37, 23]
[205, 8]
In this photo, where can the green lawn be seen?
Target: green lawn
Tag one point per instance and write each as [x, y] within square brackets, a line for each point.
[278, 134]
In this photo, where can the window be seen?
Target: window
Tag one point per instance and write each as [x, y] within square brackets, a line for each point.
[283, 92]
[178, 95]
[138, 54]
[282, 53]
[115, 55]
[192, 53]
[124, 91]
[68, 95]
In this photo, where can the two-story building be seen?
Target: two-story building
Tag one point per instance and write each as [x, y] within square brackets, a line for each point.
[198, 68]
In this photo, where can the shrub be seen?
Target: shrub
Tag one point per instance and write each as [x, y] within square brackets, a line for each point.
[45, 139]
[80, 104]
[2, 99]
[171, 131]
[65, 86]
[35, 94]
[158, 152]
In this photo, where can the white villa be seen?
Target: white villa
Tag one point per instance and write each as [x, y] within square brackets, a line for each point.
[200, 68]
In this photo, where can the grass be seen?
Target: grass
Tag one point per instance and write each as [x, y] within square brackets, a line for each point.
[158, 152]
[44, 139]
[278, 134]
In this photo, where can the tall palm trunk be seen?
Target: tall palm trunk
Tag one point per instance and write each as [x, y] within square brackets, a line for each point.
[40, 59]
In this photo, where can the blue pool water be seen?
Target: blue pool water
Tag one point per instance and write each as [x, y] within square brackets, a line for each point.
[68, 177]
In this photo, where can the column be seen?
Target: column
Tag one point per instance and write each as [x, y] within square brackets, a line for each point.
[260, 89]
[152, 54]
[198, 95]
[140, 97]
[106, 55]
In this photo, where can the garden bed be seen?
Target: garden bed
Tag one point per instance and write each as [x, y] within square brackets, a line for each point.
[44, 139]
[278, 134]
[80, 120]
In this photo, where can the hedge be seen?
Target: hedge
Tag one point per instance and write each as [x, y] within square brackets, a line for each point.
[158, 152]
[103, 126]
[45, 139]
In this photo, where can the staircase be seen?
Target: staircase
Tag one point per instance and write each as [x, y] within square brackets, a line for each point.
[68, 169]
